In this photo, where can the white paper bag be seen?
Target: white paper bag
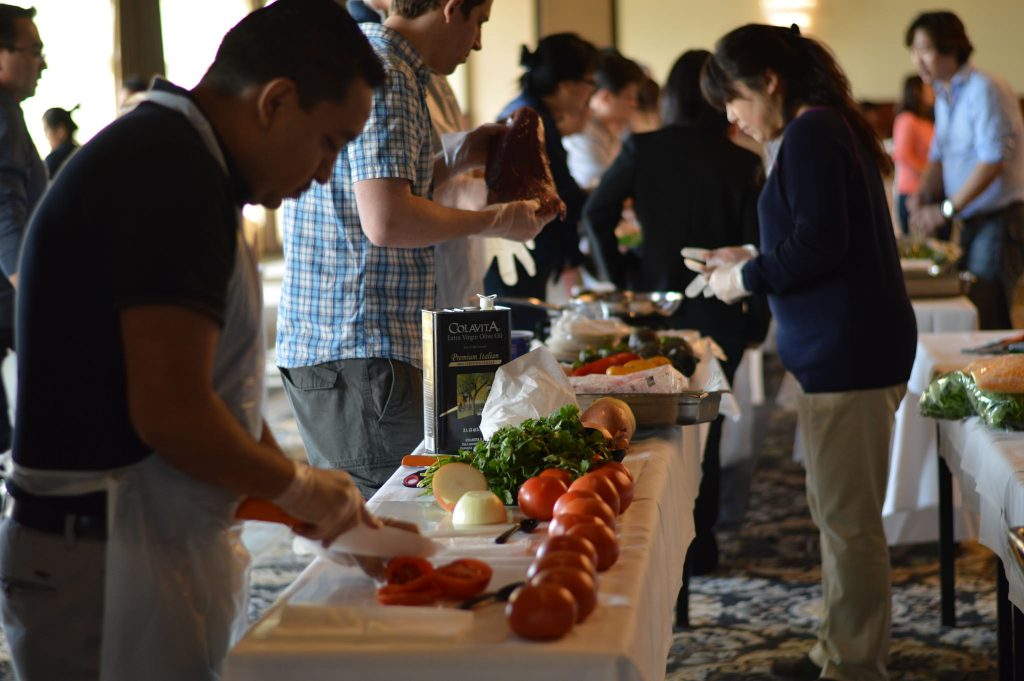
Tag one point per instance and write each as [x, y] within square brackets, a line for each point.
[530, 386]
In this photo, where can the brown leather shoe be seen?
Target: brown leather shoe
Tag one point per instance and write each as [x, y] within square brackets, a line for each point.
[799, 668]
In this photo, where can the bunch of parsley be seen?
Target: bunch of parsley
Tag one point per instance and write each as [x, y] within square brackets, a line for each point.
[516, 453]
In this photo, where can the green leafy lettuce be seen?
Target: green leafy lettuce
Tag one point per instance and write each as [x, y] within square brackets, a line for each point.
[516, 453]
[957, 396]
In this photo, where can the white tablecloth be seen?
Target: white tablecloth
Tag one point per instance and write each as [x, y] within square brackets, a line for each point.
[911, 502]
[989, 464]
[309, 633]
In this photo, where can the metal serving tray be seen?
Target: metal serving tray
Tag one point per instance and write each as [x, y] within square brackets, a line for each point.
[942, 285]
[685, 408]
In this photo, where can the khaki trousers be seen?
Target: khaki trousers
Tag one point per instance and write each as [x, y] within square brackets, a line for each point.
[847, 436]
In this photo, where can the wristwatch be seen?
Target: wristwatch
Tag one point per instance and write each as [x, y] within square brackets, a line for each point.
[947, 209]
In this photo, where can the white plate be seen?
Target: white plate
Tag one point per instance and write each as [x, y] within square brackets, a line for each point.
[384, 542]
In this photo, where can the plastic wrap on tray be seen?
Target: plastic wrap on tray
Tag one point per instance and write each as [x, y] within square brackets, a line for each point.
[957, 396]
[999, 410]
[660, 380]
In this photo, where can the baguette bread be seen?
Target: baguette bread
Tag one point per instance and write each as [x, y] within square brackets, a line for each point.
[1003, 374]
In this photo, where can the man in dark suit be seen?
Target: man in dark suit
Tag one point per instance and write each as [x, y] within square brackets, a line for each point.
[22, 173]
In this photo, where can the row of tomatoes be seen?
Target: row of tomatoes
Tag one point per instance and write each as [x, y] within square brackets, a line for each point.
[554, 492]
[562, 586]
[561, 590]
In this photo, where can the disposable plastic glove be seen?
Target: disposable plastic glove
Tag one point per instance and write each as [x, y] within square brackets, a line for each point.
[693, 258]
[726, 282]
[704, 261]
[516, 220]
[731, 254]
[326, 500]
[468, 150]
[507, 253]
[698, 286]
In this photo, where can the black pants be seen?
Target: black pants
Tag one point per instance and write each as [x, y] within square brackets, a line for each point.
[702, 556]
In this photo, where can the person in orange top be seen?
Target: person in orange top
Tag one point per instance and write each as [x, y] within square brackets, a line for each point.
[911, 137]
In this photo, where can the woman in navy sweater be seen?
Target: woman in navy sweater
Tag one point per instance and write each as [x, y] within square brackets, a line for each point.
[846, 330]
[557, 83]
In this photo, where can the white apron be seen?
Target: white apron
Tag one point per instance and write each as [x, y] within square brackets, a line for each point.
[176, 584]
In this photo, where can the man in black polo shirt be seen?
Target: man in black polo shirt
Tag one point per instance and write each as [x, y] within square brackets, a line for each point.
[140, 360]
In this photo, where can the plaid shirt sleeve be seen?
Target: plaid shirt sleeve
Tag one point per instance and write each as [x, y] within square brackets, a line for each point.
[385, 149]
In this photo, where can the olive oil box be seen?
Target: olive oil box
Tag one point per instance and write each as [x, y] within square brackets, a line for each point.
[462, 349]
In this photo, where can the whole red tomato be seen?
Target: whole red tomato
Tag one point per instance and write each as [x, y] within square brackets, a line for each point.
[563, 522]
[569, 496]
[579, 582]
[541, 613]
[567, 543]
[600, 484]
[622, 480]
[562, 558]
[560, 473]
[594, 507]
[603, 540]
[613, 466]
[537, 496]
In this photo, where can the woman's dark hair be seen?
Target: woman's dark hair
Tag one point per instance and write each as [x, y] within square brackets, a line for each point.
[61, 118]
[681, 100]
[808, 75]
[649, 95]
[313, 43]
[614, 72]
[9, 15]
[947, 33]
[913, 98]
[559, 57]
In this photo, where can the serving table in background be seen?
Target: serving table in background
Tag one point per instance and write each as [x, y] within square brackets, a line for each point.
[326, 625]
[910, 512]
[989, 466]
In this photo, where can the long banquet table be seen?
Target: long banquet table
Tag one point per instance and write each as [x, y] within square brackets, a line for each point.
[911, 500]
[989, 465]
[326, 625]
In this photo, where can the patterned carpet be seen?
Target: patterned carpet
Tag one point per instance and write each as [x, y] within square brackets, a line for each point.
[763, 601]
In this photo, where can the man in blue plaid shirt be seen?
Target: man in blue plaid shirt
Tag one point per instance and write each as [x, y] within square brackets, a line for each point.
[359, 257]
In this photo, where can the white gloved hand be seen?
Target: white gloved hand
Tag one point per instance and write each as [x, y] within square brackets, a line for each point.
[468, 150]
[698, 286]
[507, 253]
[693, 258]
[730, 254]
[726, 282]
[516, 220]
[326, 500]
[705, 262]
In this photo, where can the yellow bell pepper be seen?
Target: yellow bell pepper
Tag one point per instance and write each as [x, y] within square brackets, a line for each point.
[638, 365]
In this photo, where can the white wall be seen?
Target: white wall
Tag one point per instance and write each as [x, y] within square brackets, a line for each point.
[866, 35]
